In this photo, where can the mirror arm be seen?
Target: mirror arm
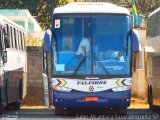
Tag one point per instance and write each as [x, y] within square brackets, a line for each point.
[5, 56]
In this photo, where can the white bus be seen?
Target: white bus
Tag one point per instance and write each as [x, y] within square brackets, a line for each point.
[153, 37]
[12, 64]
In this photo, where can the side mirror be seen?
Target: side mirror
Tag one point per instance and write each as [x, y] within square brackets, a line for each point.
[45, 63]
[47, 40]
[136, 46]
[4, 56]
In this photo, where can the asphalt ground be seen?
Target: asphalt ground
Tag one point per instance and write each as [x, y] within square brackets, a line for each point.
[80, 114]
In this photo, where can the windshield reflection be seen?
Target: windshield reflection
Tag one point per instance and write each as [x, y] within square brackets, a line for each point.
[91, 47]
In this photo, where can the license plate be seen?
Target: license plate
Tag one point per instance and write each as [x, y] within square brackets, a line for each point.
[91, 99]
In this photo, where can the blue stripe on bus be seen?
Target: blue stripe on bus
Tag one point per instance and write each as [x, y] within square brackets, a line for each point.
[106, 99]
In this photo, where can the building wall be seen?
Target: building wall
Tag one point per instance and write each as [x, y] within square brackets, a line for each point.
[35, 87]
[23, 18]
[139, 87]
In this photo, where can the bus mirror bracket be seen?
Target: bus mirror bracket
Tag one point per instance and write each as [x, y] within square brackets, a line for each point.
[4, 56]
[134, 61]
[47, 41]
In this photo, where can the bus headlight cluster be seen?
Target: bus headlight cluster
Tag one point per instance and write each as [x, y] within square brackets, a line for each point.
[63, 89]
[128, 82]
[123, 88]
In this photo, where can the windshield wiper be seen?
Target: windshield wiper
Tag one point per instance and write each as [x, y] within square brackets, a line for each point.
[106, 71]
[79, 65]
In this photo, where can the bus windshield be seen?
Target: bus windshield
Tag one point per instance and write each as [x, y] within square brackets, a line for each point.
[88, 45]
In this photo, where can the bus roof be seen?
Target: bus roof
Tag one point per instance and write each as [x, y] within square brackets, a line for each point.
[2, 18]
[91, 7]
[154, 12]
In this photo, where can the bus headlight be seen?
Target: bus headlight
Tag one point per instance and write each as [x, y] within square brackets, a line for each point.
[63, 89]
[123, 88]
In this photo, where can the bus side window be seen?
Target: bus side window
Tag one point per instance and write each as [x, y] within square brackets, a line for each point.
[18, 41]
[2, 39]
[24, 41]
[5, 39]
[11, 41]
[15, 38]
[21, 42]
[9, 36]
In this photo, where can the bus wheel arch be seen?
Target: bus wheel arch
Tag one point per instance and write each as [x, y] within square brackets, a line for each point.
[20, 89]
[17, 105]
[122, 110]
[2, 108]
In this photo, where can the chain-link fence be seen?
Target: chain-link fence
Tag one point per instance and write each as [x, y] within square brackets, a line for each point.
[153, 28]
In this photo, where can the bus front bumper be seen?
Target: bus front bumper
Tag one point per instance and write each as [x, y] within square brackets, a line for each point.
[78, 99]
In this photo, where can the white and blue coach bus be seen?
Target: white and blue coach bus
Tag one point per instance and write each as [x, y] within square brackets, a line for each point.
[91, 56]
[13, 65]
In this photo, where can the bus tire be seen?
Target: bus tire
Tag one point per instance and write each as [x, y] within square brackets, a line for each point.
[122, 110]
[150, 98]
[20, 89]
[59, 111]
[2, 108]
[17, 105]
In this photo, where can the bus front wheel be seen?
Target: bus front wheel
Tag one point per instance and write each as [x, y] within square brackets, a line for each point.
[122, 110]
[2, 108]
[59, 110]
[17, 105]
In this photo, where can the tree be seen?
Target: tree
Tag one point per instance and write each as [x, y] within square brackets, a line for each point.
[41, 9]
[144, 7]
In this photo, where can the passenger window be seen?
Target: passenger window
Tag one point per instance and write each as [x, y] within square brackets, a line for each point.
[9, 36]
[24, 41]
[15, 38]
[18, 47]
[21, 39]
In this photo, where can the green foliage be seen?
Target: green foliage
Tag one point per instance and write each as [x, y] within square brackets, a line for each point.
[144, 7]
[61, 2]
[43, 9]
[34, 41]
